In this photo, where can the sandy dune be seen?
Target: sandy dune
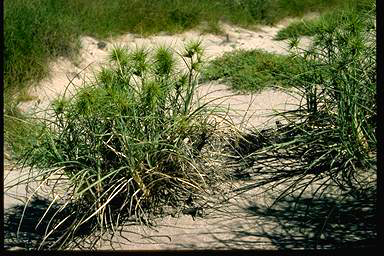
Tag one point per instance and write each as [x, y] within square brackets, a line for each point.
[65, 75]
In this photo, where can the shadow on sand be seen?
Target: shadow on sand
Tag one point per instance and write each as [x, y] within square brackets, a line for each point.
[28, 237]
[298, 223]
[29, 234]
[308, 223]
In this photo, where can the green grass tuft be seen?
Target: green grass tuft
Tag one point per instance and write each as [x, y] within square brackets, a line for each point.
[129, 144]
[297, 29]
[313, 27]
[251, 70]
[332, 131]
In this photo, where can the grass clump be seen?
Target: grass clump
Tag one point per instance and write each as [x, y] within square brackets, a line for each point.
[332, 131]
[314, 26]
[251, 70]
[325, 149]
[128, 144]
[296, 29]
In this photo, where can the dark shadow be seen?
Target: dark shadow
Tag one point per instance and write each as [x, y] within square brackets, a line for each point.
[296, 223]
[316, 206]
[244, 150]
[29, 236]
[292, 153]
[326, 223]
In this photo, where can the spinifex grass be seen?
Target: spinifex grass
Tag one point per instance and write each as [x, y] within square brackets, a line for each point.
[129, 143]
[37, 31]
[326, 148]
[332, 133]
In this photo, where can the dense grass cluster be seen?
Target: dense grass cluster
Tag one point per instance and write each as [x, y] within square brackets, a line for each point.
[332, 132]
[339, 82]
[325, 150]
[128, 144]
[251, 70]
[312, 27]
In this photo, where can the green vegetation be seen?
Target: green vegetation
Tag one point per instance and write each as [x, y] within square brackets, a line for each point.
[38, 30]
[323, 154]
[313, 27]
[34, 31]
[134, 141]
[128, 144]
[297, 29]
[255, 70]
[332, 131]
[251, 70]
